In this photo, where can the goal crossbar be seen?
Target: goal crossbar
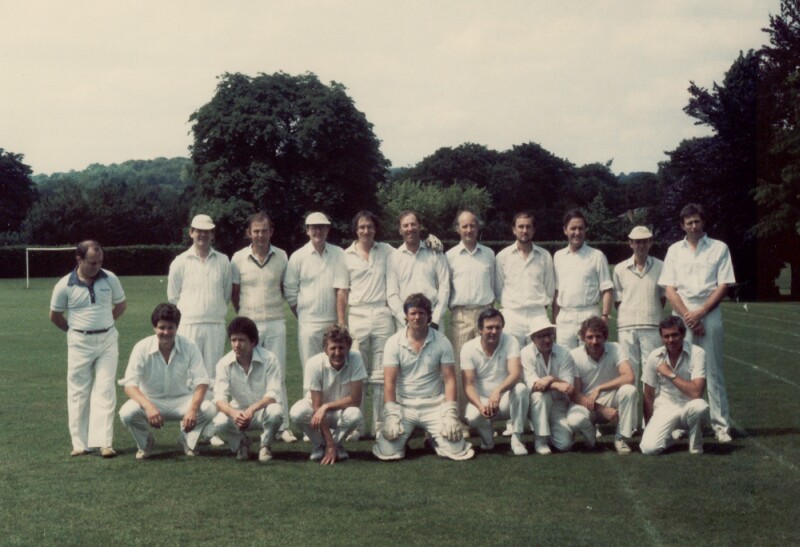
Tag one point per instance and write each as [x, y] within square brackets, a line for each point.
[27, 259]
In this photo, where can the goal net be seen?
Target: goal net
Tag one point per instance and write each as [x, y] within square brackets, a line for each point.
[29, 250]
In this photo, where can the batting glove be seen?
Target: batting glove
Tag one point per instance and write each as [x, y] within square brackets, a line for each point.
[451, 426]
[434, 243]
[392, 421]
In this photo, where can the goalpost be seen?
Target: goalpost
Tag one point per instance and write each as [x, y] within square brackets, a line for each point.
[28, 250]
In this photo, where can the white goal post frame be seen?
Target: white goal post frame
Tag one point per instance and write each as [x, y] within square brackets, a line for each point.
[27, 260]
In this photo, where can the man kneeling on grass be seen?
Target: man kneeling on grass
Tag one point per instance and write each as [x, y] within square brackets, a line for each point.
[330, 411]
[247, 392]
[604, 390]
[420, 388]
[674, 377]
[166, 381]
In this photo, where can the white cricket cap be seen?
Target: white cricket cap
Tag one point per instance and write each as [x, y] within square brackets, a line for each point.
[202, 222]
[316, 219]
[540, 323]
[640, 232]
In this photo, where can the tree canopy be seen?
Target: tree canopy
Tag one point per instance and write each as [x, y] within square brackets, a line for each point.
[17, 192]
[286, 144]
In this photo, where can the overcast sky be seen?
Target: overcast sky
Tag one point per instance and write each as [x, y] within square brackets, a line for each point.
[590, 81]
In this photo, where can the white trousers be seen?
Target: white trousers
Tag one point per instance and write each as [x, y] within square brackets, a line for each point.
[669, 416]
[513, 406]
[711, 342]
[568, 323]
[625, 400]
[309, 339]
[637, 345]
[172, 409]
[518, 322]
[370, 326]
[210, 338]
[267, 419]
[272, 336]
[463, 327]
[426, 414]
[91, 392]
[341, 422]
[549, 418]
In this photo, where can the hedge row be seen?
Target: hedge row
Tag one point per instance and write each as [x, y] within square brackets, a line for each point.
[155, 259]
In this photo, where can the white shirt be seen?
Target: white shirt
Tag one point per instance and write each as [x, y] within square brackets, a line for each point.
[312, 279]
[691, 364]
[200, 289]
[90, 308]
[593, 373]
[423, 272]
[260, 284]
[471, 276]
[367, 278]
[695, 274]
[559, 366]
[262, 379]
[638, 293]
[524, 282]
[420, 374]
[158, 379]
[490, 372]
[581, 276]
[334, 384]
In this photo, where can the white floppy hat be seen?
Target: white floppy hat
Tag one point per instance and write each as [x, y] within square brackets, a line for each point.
[640, 232]
[316, 219]
[540, 323]
[202, 222]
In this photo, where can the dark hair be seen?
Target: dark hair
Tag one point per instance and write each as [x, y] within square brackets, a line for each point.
[596, 324]
[337, 333]
[84, 246]
[418, 300]
[524, 214]
[260, 216]
[405, 213]
[693, 209]
[490, 313]
[574, 213]
[671, 322]
[244, 325]
[166, 312]
[369, 215]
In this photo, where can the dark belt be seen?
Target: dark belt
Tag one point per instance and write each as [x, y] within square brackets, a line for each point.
[101, 331]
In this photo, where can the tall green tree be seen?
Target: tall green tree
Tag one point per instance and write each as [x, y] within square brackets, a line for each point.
[778, 191]
[17, 192]
[286, 144]
[720, 171]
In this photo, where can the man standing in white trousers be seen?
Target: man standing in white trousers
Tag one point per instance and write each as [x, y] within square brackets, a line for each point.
[257, 274]
[582, 281]
[93, 299]
[369, 319]
[604, 389]
[674, 381]
[697, 273]
[472, 268]
[639, 300]
[492, 380]
[316, 286]
[199, 283]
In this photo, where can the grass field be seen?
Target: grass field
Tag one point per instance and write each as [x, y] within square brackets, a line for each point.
[747, 492]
